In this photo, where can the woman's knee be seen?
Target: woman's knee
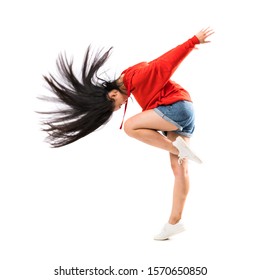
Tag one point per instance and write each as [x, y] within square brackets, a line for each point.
[180, 170]
[129, 127]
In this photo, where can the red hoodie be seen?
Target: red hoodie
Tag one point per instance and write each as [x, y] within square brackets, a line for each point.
[150, 83]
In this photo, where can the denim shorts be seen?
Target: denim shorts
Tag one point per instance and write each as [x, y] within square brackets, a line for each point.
[181, 114]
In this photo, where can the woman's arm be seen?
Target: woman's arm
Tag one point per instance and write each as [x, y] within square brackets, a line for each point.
[157, 72]
[170, 61]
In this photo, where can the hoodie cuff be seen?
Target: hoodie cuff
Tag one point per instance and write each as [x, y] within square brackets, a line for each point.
[195, 40]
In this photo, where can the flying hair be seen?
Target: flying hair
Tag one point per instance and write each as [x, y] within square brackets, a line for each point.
[86, 103]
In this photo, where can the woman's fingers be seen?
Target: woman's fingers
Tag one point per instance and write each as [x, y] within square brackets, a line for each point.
[205, 33]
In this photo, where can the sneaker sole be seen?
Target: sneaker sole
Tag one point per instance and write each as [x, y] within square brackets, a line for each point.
[180, 230]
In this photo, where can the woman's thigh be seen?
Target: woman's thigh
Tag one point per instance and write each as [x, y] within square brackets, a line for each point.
[150, 120]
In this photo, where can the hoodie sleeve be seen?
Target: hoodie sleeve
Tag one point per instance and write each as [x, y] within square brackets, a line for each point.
[170, 61]
[146, 80]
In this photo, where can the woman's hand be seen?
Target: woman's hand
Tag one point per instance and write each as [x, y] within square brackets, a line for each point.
[204, 34]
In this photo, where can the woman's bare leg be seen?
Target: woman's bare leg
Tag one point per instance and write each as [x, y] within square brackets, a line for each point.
[144, 126]
[181, 183]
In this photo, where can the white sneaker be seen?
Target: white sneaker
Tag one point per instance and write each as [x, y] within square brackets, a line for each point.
[185, 151]
[169, 230]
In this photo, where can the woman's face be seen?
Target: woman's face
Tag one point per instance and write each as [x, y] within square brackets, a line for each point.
[118, 97]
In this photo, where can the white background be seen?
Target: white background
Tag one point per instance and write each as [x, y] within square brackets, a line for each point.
[99, 201]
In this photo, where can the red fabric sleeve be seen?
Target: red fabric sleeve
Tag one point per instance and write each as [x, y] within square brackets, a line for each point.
[150, 82]
[171, 60]
[155, 74]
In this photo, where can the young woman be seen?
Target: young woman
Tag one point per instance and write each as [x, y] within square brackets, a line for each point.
[166, 120]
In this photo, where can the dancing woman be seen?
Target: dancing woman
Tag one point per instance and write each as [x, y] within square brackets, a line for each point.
[166, 120]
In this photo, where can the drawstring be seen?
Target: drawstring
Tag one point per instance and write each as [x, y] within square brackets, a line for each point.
[128, 95]
[124, 114]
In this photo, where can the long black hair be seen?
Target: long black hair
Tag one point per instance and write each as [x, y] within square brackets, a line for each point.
[87, 105]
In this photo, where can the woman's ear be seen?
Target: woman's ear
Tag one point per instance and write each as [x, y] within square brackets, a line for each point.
[113, 94]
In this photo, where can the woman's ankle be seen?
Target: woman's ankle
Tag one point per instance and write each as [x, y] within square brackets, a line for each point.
[174, 220]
